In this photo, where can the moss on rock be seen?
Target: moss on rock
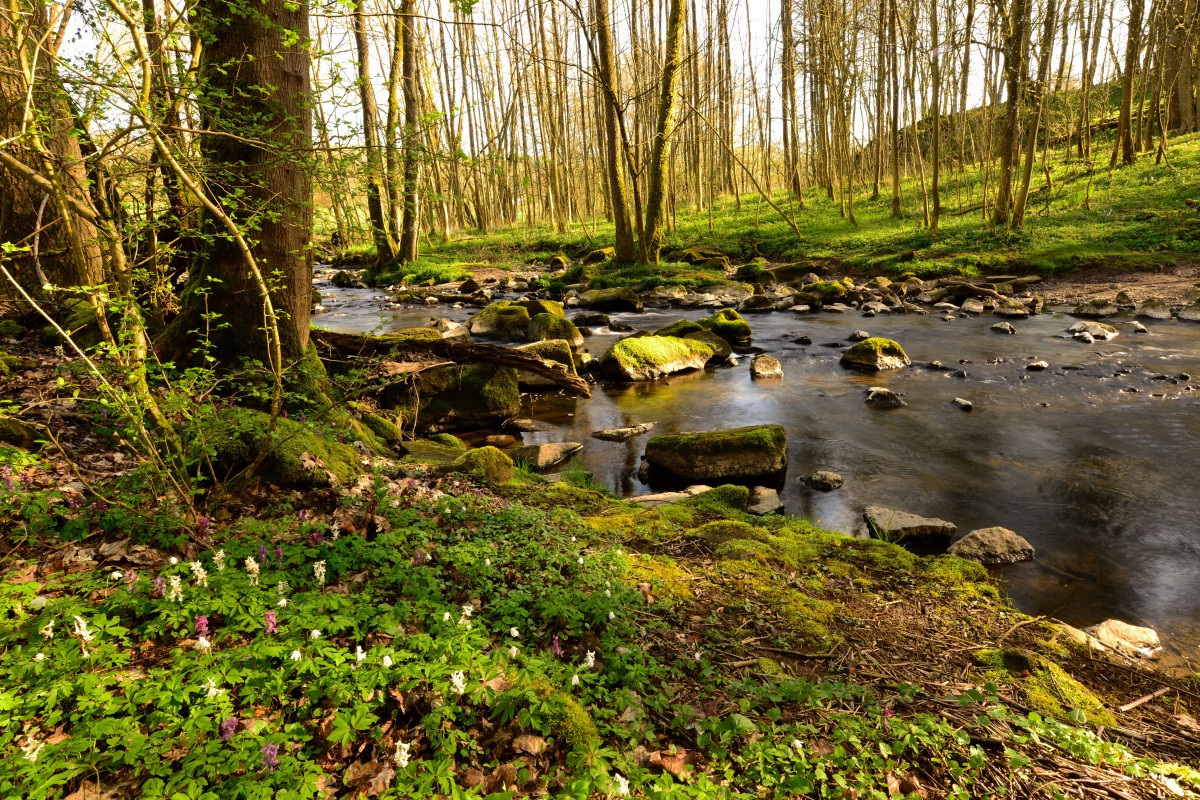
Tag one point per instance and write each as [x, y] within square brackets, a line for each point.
[537, 306]
[874, 354]
[680, 328]
[643, 358]
[18, 433]
[729, 325]
[548, 327]
[449, 440]
[738, 453]
[501, 320]
[425, 451]
[721, 349]
[1045, 686]
[472, 395]
[569, 721]
[11, 329]
[487, 463]
[296, 457]
[618, 299]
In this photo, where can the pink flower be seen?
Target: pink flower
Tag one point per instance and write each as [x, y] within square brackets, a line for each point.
[202, 625]
[271, 622]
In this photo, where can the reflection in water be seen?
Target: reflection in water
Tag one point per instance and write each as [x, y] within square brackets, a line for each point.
[1099, 478]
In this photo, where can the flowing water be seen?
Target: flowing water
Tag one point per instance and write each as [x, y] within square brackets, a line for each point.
[1096, 461]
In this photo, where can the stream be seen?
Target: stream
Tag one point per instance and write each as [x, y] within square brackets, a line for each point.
[1095, 460]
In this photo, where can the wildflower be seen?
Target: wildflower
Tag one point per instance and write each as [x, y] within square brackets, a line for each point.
[202, 625]
[176, 591]
[172, 561]
[513, 632]
[131, 579]
[252, 570]
[611, 616]
[295, 655]
[446, 617]
[219, 560]
[620, 552]
[314, 634]
[40, 657]
[575, 679]
[387, 662]
[572, 538]
[228, 728]
[283, 587]
[359, 655]
[556, 646]
[269, 752]
[622, 784]
[263, 555]
[116, 576]
[270, 622]
[458, 682]
[513, 652]
[32, 749]
[487, 562]
[608, 592]
[799, 745]
[319, 572]
[203, 527]
[402, 754]
[199, 573]
[48, 630]
[696, 655]
[316, 538]
[468, 610]
[888, 713]
[160, 587]
[202, 644]
[59, 350]
[279, 555]
[581, 560]
[283, 601]
[589, 660]
[80, 629]
[213, 691]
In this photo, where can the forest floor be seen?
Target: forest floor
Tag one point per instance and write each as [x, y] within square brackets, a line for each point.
[419, 632]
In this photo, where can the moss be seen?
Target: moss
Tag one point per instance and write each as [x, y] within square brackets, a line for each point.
[236, 436]
[547, 327]
[959, 574]
[11, 329]
[668, 581]
[826, 290]
[723, 530]
[729, 325]
[415, 335]
[18, 433]
[385, 429]
[723, 501]
[459, 396]
[866, 354]
[449, 440]
[720, 347]
[805, 616]
[424, 451]
[647, 357]
[652, 525]
[555, 350]
[679, 328]
[536, 307]
[735, 453]
[743, 550]
[562, 495]
[1046, 687]
[620, 298]
[502, 319]
[569, 721]
[771, 667]
[487, 463]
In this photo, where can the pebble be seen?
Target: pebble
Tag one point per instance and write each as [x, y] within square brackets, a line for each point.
[1037, 366]
[965, 405]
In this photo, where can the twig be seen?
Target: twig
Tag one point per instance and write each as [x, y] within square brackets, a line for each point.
[1145, 699]
[793, 653]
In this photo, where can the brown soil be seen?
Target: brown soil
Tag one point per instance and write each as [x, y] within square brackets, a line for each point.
[1171, 284]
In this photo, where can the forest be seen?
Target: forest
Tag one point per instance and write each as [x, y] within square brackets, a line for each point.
[474, 398]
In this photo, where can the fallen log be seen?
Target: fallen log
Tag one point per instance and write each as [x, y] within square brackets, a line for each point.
[401, 348]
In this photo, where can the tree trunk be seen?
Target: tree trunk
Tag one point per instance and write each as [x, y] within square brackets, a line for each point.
[1014, 22]
[385, 245]
[1124, 147]
[652, 238]
[409, 228]
[607, 68]
[935, 210]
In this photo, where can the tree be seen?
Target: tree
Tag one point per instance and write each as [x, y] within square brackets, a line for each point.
[412, 113]
[607, 69]
[660, 155]
[385, 246]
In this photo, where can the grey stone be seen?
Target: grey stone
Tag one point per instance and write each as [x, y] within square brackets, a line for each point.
[881, 397]
[965, 405]
[1096, 308]
[824, 480]
[1153, 309]
[622, 434]
[1129, 640]
[1004, 327]
[763, 501]
[543, 456]
[898, 526]
[765, 367]
[993, 546]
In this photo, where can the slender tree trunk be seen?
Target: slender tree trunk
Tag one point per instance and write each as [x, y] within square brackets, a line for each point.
[385, 244]
[1124, 145]
[606, 66]
[1043, 79]
[1014, 21]
[660, 156]
[935, 158]
[409, 228]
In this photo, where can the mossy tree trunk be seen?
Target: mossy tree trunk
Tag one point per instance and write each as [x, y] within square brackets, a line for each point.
[660, 156]
[607, 68]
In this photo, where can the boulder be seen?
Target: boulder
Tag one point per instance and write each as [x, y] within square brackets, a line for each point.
[739, 453]
[469, 286]
[765, 367]
[1153, 309]
[1004, 327]
[721, 349]
[528, 425]
[759, 303]
[1096, 308]
[973, 305]
[1129, 640]
[875, 354]
[619, 299]
[427, 451]
[623, 434]
[501, 320]
[467, 396]
[764, 500]
[824, 480]
[547, 327]
[556, 350]
[1097, 330]
[536, 306]
[590, 320]
[543, 456]
[343, 279]
[859, 336]
[598, 256]
[1037, 366]
[882, 397]
[644, 358]
[993, 546]
[1014, 309]
[680, 328]
[1124, 300]
[729, 325]
[485, 463]
[964, 405]
[900, 526]
[450, 329]
[1190, 313]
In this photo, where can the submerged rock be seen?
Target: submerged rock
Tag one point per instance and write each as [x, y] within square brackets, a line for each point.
[1004, 327]
[1097, 330]
[765, 367]
[824, 480]
[623, 434]
[965, 405]
[738, 453]
[881, 397]
[875, 354]
[619, 299]
[729, 325]
[644, 358]
[900, 526]
[993, 546]
[1011, 308]
[1037, 366]
[1095, 308]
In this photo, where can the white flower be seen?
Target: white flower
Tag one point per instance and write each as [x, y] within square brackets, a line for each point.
[458, 682]
[199, 573]
[589, 661]
[799, 745]
[295, 655]
[252, 570]
[513, 652]
[387, 662]
[402, 754]
[48, 630]
[487, 562]
[572, 538]
[513, 632]
[468, 610]
[59, 350]
[40, 657]
[575, 680]
[175, 592]
[219, 560]
[202, 644]
[283, 587]
[620, 552]
[581, 559]
[116, 576]
[319, 572]
[32, 749]
[607, 585]
[446, 617]
[213, 691]
[622, 784]
[611, 615]
[80, 629]
[696, 655]
[173, 561]
[359, 655]
[282, 602]
[314, 634]
[608, 592]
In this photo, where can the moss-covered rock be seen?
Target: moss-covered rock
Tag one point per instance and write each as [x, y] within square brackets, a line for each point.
[792, 272]
[415, 335]
[738, 453]
[724, 530]
[569, 721]
[18, 433]
[501, 320]
[1045, 686]
[449, 440]
[343, 279]
[720, 347]
[729, 325]
[547, 327]
[427, 451]
[384, 428]
[447, 398]
[875, 354]
[296, 456]
[644, 358]
[826, 291]
[556, 350]
[485, 463]
[600, 255]
[11, 329]
[680, 328]
[618, 299]
[537, 306]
